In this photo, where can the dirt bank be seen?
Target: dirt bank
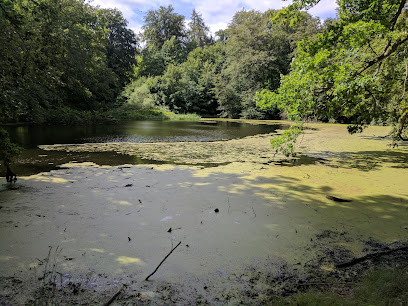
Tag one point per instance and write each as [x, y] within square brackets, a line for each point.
[252, 228]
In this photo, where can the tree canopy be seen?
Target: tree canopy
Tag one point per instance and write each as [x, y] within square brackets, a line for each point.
[163, 24]
[61, 54]
[354, 72]
[189, 71]
[67, 54]
[199, 32]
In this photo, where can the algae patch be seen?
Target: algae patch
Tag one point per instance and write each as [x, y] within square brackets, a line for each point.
[256, 223]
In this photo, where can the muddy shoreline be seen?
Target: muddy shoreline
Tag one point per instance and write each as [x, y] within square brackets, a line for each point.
[253, 230]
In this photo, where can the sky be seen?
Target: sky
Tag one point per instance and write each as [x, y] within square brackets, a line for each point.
[217, 14]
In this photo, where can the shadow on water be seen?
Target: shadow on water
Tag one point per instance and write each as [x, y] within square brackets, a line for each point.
[301, 160]
[258, 217]
[279, 206]
[363, 160]
[33, 161]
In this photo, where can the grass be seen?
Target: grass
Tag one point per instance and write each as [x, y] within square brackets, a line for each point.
[69, 116]
[383, 286]
[48, 285]
[149, 114]
[185, 117]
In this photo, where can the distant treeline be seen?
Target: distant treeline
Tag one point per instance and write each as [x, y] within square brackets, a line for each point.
[65, 58]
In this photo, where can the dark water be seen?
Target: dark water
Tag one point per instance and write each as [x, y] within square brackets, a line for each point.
[34, 160]
[135, 131]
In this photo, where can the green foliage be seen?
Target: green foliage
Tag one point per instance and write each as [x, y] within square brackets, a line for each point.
[184, 87]
[61, 54]
[191, 73]
[121, 44]
[66, 61]
[354, 72]
[257, 54]
[198, 32]
[383, 286]
[137, 95]
[150, 63]
[161, 25]
[185, 117]
[285, 143]
[8, 150]
[313, 298]
[173, 52]
[128, 112]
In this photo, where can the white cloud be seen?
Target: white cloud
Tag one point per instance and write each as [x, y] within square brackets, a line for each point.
[128, 9]
[325, 9]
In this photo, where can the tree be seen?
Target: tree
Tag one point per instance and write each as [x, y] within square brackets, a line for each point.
[199, 78]
[354, 72]
[257, 54]
[183, 87]
[12, 61]
[150, 62]
[121, 44]
[222, 36]
[59, 55]
[161, 25]
[8, 150]
[173, 52]
[198, 32]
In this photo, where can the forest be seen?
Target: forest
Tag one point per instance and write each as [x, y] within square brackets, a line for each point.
[64, 59]
[67, 61]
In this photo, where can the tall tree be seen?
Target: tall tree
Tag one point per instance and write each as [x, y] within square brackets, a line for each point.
[121, 46]
[257, 53]
[161, 25]
[354, 72]
[198, 32]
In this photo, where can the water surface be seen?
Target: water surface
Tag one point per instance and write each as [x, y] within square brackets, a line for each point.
[136, 132]
[34, 160]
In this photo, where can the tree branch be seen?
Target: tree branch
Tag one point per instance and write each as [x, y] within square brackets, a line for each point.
[401, 124]
[147, 278]
[382, 56]
[395, 18]
[405, 80]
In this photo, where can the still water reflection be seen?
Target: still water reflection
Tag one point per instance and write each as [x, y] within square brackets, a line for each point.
[34, 160]
[135, 131]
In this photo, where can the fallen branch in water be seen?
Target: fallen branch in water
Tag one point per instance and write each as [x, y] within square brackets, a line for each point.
[113, 297]
[370, 256]
[147, 278]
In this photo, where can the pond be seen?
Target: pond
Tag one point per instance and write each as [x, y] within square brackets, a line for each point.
[250, 229]
[34, 160]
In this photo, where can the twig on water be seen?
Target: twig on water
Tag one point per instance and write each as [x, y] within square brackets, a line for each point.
[147, 278]
[229, 206]
[254, 212]
[113, 297]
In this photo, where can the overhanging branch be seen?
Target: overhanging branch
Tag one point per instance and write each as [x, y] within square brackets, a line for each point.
[383, 56]
[395, 18]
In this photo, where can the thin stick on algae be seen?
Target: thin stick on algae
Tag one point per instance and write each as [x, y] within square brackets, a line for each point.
[113, 297]
[147, 278]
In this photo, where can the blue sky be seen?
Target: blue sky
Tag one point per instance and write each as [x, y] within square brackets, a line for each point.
[217, 14]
